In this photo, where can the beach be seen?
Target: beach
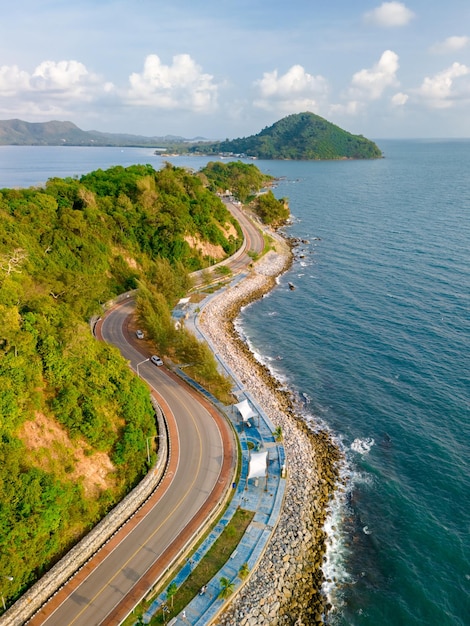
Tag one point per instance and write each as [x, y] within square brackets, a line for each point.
[286, 586]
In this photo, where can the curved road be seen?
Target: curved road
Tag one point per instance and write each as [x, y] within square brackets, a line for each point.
[199, 444]
[254, 239]
[201, 465]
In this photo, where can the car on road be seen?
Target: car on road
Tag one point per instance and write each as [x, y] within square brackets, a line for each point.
[156, 359]
[139, 334]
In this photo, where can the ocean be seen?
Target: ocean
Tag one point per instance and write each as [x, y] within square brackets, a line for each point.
[375, 342]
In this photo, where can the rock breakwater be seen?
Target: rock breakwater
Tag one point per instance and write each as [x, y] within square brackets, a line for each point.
[286, 587]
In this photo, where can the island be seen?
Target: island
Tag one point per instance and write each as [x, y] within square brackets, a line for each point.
[301, 136]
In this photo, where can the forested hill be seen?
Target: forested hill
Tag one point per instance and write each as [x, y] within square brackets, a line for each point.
[57, 133]
[299, 136]
[74, 420]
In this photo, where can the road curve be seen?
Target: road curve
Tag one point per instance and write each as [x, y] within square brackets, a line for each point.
[201, 464]
[202, 460]
[254, 239]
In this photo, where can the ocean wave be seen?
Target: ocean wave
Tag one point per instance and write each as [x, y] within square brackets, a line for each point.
[337, 555]
[265, 360]
[362, 446]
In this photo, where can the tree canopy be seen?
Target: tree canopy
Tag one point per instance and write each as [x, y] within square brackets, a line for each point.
[298, 136]
[65, 249]
[242, 180]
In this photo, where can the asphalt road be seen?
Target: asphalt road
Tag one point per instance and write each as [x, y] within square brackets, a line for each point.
[197, 448]
[254, 240]
[200, 454]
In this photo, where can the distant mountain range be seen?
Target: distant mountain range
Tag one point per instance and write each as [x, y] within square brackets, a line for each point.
[20, 133]
[301, 136]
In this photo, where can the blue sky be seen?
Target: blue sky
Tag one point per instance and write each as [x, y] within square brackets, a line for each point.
[228, 68]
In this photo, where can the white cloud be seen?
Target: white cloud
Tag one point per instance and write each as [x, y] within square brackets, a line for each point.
[440, 91]
[65, 79]
[294, 91]
[181, 85]
[389, 15]
[350, 108]
[370, 83]
[52, 89]
[12, 80]
[451, 44]
[399, 99]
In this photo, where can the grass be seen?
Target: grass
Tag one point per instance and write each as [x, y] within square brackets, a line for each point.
[212, 562]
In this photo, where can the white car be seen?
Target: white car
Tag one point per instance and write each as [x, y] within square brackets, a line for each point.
[139, 334]
[156, 359]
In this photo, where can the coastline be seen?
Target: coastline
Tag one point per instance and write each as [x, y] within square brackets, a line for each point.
[286, 586]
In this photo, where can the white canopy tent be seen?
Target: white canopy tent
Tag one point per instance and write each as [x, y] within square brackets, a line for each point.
[245, 410]
[258, 464]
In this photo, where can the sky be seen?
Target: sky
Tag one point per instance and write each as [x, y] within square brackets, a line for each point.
[229, 68]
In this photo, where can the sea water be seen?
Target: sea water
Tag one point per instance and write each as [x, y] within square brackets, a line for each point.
[374, 341]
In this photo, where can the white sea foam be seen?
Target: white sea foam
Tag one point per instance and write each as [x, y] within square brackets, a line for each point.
[335, 572]
[339, 513]
[362, 446]
[267, 361]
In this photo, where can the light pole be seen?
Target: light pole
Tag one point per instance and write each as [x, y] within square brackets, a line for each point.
[10, 578]
[148, 447]
[137, 366]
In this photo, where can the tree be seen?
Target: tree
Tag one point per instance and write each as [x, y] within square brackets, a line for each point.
[244, 571]
[226, 587]
[65, 249]
[270, 209]
[277, 434]
[171, 591]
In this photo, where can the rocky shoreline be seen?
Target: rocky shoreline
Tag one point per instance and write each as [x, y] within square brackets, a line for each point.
[286, 586]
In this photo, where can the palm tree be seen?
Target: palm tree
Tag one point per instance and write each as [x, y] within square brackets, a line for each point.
[278, 434]
[170, 592]
[226, 587]
[244, 571]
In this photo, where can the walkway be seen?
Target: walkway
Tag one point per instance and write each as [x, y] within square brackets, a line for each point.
[264, 496]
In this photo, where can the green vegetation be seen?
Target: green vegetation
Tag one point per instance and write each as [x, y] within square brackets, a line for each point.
[299, 136]
[170, 593]
[67, 400]
[223, 270]
[154, 311]
[242, 180]
[244, 571]
[271, 210]
[226, 587]
[19, 133]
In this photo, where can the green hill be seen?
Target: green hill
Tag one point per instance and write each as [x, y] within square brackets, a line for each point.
[301, 136]
[55, 133]
[73, 418]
